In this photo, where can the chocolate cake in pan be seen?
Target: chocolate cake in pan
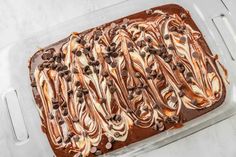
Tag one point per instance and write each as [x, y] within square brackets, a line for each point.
[124, 81]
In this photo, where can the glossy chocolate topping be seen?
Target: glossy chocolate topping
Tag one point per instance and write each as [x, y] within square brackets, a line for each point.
[124, 81]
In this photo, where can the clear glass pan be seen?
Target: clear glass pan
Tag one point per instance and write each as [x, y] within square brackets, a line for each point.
[20, 132]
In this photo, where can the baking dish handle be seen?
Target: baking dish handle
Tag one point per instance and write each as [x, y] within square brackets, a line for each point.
[226, 29]
[10, 99]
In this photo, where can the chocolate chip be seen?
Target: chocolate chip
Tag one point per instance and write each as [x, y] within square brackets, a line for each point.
[142, 54]
[148, 39]
[98, 152]
[76, 139]
[153, 51]
[117, 117]
[137, 122]
[171, 47]
[108, 117]
[88, 72]
[124, 73]
[79, 94]
[46, 56]
[78, 53]
[70, 91]
[96, 71]
[46, 64]
[81, 100]
[189, 74]
[40, 67]
[50, 116]
[139, 43]
[93, 150]
[180, 67]
[181, 93]
[195, 55]
[168, 59]
[149, 77]
[194, 102]
[129, 45]
[130, 88]
[54, 101]
[75, 119]
[55, 106]
[114, 54]
[173, 99]
[108, 145]
[113, 64]
[65, 112]
[117, 134]
[112, 89]
[173, 67]
[182, 39]
[148, 70]
[63, 105]
[70, 134]
[68, 78]
[59, 140]
[108, 60]
[130, 97]
[86, 51]
[180, 86]
[98, 32]
[85, 91]
[160, 76]
[33, 83]
[137, 74]
[156, 106]
[166, 36]
[109, 82]
[74, 70]
[103, 100]
[77, 83]
[61, 121]
[138, 91]
[105, 74]
[141, 28]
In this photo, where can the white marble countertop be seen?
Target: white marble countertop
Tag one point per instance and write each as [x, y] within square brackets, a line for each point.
[21, 18]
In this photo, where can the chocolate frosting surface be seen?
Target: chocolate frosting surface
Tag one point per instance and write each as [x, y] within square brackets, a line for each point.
[124, 81]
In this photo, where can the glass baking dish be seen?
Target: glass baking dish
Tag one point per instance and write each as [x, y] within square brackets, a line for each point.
[20, 132]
